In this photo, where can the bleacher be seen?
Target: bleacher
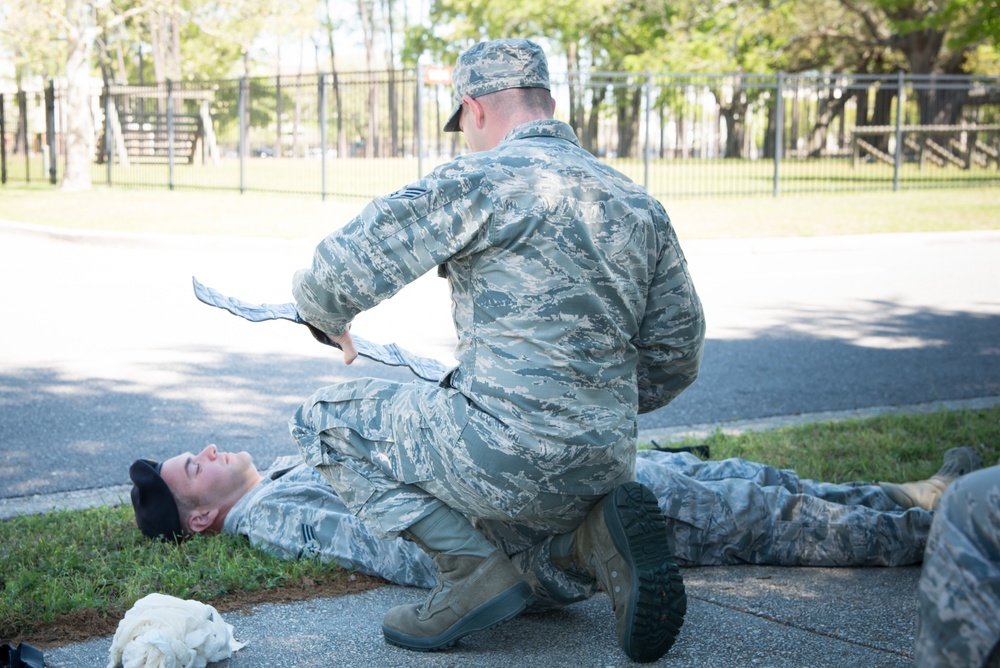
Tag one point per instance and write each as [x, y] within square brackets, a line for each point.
[961, 146]
[140, 136]
[146, 137]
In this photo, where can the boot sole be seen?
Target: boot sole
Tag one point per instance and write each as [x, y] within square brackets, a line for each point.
[501, 608]
[659, 603]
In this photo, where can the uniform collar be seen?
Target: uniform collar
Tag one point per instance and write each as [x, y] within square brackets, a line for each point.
[236, 514]
[546, 127]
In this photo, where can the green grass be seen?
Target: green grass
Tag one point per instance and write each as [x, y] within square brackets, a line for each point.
[888, 447]
[59, 564]
[271, 215]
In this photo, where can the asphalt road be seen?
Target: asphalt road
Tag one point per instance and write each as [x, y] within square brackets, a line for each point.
[105, 354]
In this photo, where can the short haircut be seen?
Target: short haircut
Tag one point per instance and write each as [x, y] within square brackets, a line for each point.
[507, 102]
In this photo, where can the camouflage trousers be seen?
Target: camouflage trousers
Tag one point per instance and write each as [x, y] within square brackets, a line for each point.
[959, 592]
[394, 452]
[735, 511]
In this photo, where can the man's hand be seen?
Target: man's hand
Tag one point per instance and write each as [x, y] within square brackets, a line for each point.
[346, 344]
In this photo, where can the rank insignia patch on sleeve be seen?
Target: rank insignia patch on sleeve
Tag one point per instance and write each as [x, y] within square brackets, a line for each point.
[310, 544]
[410, 192]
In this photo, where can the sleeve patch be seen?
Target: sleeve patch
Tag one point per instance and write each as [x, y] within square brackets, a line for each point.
[410, 192]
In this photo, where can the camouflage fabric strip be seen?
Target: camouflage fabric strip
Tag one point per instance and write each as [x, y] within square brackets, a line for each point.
[391, 354]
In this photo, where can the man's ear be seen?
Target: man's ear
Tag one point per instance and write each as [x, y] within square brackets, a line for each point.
[476, 110]
[202, 519]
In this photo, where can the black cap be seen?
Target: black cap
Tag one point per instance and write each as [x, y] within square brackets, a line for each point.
[156, 511]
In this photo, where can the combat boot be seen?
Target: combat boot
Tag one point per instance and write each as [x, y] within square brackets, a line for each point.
[927, 494]
[623, 544]
[478, 587]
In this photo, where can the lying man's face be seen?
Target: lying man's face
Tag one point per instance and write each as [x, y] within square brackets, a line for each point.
[209, 480]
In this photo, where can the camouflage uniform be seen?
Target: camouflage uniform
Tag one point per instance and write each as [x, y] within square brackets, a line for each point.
[294, 514]
[722, 512]
[735, 512]
[574, 311]
[959, 592]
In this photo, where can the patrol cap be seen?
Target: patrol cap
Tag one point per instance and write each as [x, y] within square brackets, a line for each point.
[155, 509]
[498, 65]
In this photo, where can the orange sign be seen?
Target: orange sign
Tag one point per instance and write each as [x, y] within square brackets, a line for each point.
[437, 75]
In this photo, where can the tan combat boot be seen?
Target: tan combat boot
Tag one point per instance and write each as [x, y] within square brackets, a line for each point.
[473, 594]
[927, 494]
[623, 544]
[478, 587]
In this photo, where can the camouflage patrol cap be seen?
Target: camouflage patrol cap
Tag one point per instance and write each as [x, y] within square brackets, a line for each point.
[156, 512]
[491, 66]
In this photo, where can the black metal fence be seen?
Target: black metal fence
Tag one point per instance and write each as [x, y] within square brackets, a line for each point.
[362, 134]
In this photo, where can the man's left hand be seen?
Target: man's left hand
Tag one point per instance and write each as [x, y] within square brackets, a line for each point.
[346, 344]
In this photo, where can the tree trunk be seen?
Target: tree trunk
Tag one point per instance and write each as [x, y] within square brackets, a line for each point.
[829, 109]
[629, 105]
[368, 28]
[734, 115]
[590, 139]
[79, 120]
[793, 131]
[941, 107]
[770, 133]
[297, 117]
[882, 113]
[575, 107]
[681, 137]
[121, 75]
[393, 105]
[338, 101]
[922, 49]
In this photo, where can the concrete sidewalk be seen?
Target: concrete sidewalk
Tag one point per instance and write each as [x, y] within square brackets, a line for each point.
[737, 617]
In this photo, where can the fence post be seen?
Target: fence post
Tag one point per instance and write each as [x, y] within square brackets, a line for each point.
[779, 131]
[418, 120]
[50, 128]
[170, 134]
[648, 148]
[899, 132]
[108, 129]
[277, 115]
[3, 142]
[322, 134]
[241, 106]
[22, 119]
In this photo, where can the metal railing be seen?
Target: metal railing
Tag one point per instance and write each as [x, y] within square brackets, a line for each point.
[363, 134]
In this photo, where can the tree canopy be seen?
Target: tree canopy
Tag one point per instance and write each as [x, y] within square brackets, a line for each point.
[206, 39]
[158, 40]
